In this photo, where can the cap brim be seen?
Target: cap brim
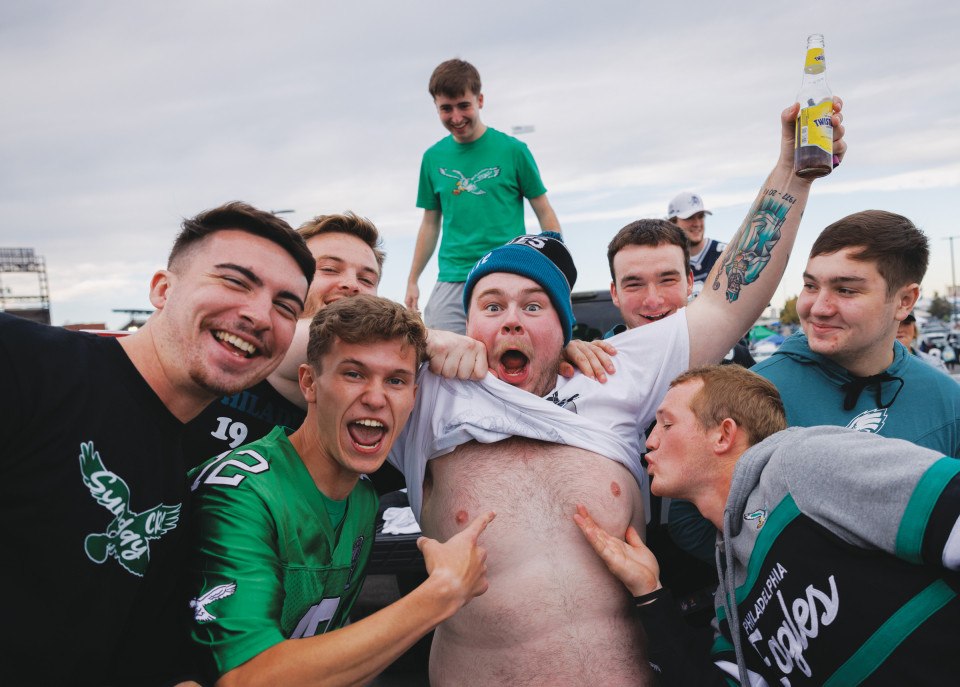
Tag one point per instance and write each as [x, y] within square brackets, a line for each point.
[691, 214]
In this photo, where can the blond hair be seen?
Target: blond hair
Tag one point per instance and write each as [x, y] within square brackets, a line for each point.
[730, 391]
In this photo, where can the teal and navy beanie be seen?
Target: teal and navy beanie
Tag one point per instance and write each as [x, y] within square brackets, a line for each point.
[540, 257]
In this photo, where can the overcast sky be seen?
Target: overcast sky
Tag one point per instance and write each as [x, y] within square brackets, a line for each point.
[118, 119]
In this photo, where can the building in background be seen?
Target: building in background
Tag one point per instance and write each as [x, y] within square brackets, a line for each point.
[24, 290]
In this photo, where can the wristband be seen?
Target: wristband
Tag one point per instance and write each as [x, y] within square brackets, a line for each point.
[655, 595]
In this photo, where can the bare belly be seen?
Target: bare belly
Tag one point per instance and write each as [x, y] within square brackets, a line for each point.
[553, 614]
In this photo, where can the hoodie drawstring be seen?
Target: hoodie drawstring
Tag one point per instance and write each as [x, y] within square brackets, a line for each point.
[725, 560]
[856, 385]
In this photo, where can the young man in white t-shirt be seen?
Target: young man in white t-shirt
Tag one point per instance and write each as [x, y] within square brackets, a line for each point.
[509, 444]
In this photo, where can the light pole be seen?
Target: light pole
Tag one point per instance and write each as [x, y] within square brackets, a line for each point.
[953, 280]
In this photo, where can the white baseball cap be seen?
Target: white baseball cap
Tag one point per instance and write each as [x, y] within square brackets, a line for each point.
[685, 205]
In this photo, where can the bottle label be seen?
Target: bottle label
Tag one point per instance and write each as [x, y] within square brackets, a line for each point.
[814, 127]
[815, 63]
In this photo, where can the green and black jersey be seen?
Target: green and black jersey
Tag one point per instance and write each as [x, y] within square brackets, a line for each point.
[241, 418]
[842, 550]
[272, 562]
[838, 567]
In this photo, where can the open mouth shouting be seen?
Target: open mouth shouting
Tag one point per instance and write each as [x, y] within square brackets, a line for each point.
[366, 434]
[235, 344]
[513, 367]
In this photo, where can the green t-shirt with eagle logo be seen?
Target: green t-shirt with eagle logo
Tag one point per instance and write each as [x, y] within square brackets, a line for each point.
[269, 564]
[479, 188]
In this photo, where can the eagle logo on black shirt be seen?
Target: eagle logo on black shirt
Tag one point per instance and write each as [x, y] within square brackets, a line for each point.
[128, 535]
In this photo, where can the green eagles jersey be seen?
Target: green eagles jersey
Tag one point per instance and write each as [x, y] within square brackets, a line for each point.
[479, 189]
[268, 564]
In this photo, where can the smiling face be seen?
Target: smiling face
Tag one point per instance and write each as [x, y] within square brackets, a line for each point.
[678, 457]
[847, 314]
[652, 282]
[516, 321]
[358, 401]
[693, 227]
[346, 266]
[226, 312]
[461, 116]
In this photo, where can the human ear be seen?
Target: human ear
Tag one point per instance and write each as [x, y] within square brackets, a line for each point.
[907, 297]
[614, 296]
[306, 379]
[159, 286]
[727, 432]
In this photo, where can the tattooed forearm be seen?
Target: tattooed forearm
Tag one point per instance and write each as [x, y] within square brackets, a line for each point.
[744, 260]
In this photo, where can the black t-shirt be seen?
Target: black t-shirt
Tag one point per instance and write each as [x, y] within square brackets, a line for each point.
[94, 505]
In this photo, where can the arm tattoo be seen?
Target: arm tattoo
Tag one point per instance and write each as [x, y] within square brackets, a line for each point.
[744, 261]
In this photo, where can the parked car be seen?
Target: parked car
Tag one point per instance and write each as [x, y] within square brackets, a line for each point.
[594, 314]
[936, 339]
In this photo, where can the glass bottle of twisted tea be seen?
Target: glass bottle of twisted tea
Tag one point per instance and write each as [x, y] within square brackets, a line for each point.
[813, 153]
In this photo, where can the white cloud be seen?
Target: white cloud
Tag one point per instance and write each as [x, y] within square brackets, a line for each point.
[119, 119]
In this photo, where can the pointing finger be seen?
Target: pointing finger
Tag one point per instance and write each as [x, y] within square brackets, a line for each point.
[479, 524]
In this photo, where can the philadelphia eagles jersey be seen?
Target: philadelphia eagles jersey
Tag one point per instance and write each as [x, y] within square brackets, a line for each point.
[838, 566]
[241, 418]
[269, 565]
[703, 262]
[842, 550]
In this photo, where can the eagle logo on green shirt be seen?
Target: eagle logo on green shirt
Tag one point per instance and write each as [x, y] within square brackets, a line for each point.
[200, 603]
[470, 185]
[128, 535]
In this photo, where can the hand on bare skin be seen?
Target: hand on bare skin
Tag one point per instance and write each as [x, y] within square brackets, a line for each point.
[459, 565]
[592, 358]
[630, 561]
[788, 119]
[455, 356]
[412, 298]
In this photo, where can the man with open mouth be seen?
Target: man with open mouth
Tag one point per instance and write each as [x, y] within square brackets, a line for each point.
[285, 524]
[511, 444]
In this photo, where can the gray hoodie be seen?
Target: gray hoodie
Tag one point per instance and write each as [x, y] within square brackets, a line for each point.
[827, 534]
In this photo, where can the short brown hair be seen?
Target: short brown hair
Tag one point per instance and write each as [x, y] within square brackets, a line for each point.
[648, 232]
[243, 217]
[730, 391]
[454, 78]
[364, 319]
[347, 223]
[900, 250]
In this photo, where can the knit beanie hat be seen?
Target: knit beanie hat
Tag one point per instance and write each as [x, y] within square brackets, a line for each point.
[540, 257]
